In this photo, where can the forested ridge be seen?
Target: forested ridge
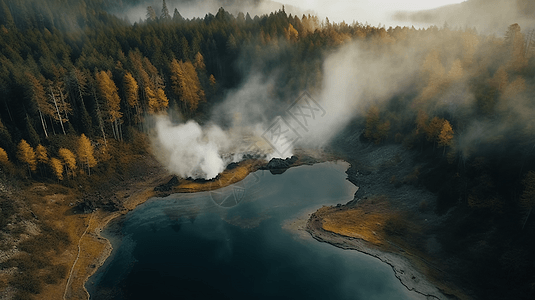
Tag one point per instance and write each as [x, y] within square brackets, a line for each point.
[78, 83]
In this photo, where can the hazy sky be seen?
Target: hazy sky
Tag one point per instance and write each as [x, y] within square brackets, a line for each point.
[371, 11]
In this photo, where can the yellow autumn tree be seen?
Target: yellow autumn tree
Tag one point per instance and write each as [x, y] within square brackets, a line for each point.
[131, 90]
[41, 154]
[162, 100]
[185, 83]
[152, 101]
[108, 93]
[26, 154]
[433, 129]
[212, 80]
[69, 160]
[199, 61]
[57, 167]
[445, 136]
[291, 33]
[4, 159]
[85, 153]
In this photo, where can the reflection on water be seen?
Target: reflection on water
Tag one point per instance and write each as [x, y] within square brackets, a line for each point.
[230, 244]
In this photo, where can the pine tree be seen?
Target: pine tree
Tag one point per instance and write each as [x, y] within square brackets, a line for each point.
[165, 12]
[527, 200]
[57, 167]
[372, 121]
[37, 95]
[26, 154]
[151, 14]
[32, 135]
[177, 17]
[58, 99]
[69, 160]
[85, 153]
[5, 16]
[6, 141]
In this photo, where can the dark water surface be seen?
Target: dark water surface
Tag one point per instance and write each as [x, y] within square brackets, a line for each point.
[231, 244]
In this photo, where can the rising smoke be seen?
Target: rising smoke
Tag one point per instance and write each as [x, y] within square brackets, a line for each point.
[358, 75]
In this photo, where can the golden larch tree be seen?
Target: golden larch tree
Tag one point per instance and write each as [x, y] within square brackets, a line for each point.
[131, 90]
[85, 153]
[433, 129]
[163, 102]
[291, 33]
[199, 61]
[57, 167]
[108, 93]
[152, 101]
[26, 154]
[185, 83]
[41, 154]
[445, 137]
[69, 160]
[4, 159]
[212, 80]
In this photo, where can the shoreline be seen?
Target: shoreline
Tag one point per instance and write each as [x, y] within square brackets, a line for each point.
[144, 192]
[405, 271]
[408, 275]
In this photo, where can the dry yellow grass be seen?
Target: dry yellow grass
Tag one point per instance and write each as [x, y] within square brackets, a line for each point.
[366, 221]
[52, 204]
[226, 178]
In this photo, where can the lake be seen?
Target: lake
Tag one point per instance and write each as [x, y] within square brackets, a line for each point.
[239, 243]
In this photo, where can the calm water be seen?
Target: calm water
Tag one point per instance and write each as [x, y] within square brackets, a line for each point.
[231, 244]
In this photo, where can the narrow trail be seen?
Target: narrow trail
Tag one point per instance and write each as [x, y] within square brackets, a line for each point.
[78, 256]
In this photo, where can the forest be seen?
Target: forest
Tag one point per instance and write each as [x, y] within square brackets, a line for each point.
[78, 85]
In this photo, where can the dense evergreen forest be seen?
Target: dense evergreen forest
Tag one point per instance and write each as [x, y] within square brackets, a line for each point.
[77, 84]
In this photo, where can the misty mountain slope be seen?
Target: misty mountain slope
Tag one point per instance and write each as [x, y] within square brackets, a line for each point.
[486, 16]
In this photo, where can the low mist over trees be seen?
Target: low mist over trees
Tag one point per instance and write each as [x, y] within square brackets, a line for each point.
[79, 86]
